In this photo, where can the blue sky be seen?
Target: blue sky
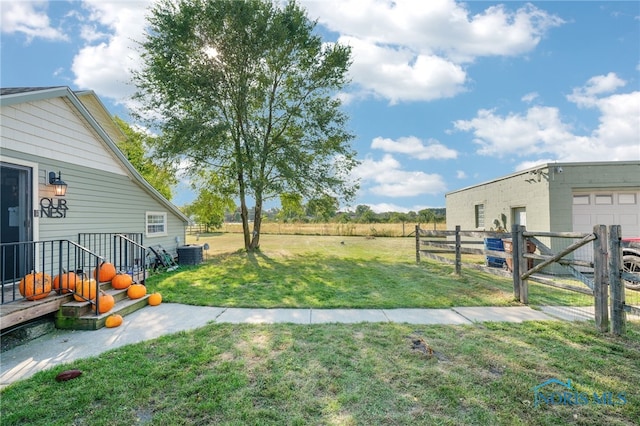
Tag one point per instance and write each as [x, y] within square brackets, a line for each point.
[444, 94]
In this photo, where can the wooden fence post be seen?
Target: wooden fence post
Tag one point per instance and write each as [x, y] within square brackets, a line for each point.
[417, 243]
[458, 252]
[515, 264]
[616, 285]
[523, 265]
[600, 278]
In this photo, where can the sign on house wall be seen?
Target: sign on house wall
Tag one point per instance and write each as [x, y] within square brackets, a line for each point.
[54, 208]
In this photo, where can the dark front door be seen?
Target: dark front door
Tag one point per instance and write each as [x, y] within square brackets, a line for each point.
[15, 219]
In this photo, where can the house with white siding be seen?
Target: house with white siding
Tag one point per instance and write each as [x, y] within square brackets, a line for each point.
[54, 134]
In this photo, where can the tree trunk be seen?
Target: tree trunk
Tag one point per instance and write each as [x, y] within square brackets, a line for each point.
[244, 214]
[257, 222]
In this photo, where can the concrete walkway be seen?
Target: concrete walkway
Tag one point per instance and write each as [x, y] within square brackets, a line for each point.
[65, 346]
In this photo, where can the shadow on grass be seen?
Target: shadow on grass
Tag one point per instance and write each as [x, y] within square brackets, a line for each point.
[342, 374]
[320, 281]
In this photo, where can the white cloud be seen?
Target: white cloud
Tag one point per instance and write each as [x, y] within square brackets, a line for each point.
[443, 27]
[386, 178]
[370, 169]
[414, 50]
[541, 131]
[531, 164]
[415, 148]
[105, 63]
[460, 174]
[390, 207]
[30, 19]
[586, 96]
[538, 130]
[387, 207]
[402, 51]
[530, 97]
[399, 74]
[620, 123]
[91, 34]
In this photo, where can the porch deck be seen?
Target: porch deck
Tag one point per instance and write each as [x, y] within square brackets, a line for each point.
[22, 310]
[124, 250]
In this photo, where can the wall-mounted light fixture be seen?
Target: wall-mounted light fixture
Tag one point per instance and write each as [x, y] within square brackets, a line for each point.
[59, 186]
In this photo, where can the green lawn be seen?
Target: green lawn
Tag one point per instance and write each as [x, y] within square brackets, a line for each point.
[342, 374]
[357, 374]
[332, 272]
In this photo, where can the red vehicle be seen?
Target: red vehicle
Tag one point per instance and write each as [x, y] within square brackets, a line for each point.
[631, 260]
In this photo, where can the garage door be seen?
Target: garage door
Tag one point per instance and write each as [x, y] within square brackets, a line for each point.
[607, 208]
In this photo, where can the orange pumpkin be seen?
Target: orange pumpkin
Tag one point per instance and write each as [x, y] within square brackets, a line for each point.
[136, 291]
[65, 283]
[35, 286]
[155, 299]
[85, 290]
[106, 302]
[121, 281]
[105, 272]
[113, 321]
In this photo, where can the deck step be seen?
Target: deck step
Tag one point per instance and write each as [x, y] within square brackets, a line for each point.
[78, 309]
[91, 321]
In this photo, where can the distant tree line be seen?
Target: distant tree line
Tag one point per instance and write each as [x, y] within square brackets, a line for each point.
[309, 213]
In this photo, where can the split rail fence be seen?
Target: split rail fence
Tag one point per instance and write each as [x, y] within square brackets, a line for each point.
[603, 276]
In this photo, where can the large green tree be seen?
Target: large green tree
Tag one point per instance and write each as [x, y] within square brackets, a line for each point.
[247, 89]
[291, 207]
[215, 198]
[323, 209]
[426, 216]
[137, 147]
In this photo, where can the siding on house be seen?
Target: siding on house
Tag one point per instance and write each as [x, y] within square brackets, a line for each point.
[105, 193]
[544, 191]
[52, 129]
[99, 112]
[501, 197]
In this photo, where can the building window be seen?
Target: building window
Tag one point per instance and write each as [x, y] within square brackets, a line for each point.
[604, 199]
[626, 198]
[580, 199]
[156, 224]
[479, 215]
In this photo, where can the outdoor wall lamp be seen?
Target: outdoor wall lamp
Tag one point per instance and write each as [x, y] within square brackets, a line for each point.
[59, 186]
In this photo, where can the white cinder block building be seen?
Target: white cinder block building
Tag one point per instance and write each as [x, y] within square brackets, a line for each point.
[554, 197]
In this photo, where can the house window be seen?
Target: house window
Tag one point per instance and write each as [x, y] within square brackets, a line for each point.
[604, 199]
[156, 224]
[479, 215]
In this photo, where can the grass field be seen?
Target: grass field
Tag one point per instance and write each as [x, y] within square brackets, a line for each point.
[358, 374]
[342, 374]
[331, 272]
